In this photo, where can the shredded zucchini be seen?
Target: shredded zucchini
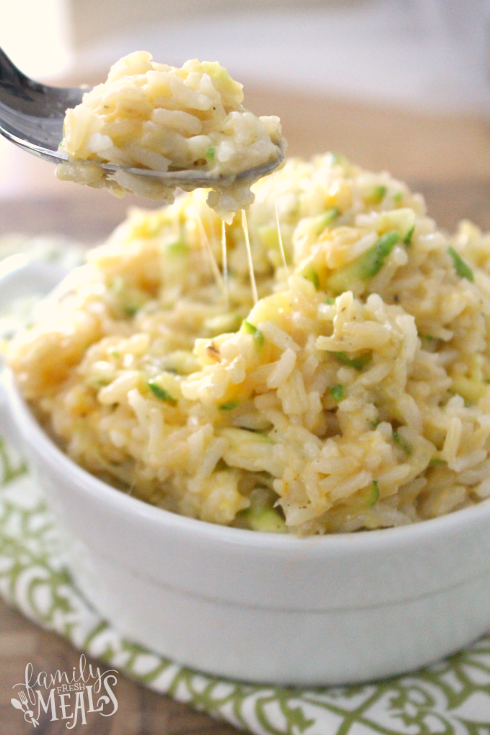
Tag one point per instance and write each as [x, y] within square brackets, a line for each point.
[250, 328]
[356, 362]
[267, 520]
[365, 267]
[312, 275]
[462, 269]
[374, 493]
[408, 237]
[160, 392]
[402, 443]
[377, 195]
[337, 392]
[436, 462]
[229, 406]
[131, 310]
[177, 248]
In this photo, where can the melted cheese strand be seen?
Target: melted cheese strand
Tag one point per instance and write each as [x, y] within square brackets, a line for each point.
[212, 260]
[249, 256]
[281, 245]
[224, 257]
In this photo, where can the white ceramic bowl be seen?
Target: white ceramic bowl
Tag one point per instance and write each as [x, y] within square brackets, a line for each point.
[264, 607]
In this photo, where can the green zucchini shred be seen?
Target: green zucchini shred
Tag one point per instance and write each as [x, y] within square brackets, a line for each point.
[356, 362]
[252, 329]
[375, 497]
[267, 520]
[402, 443]
[378, 194]
[249, 327]
[329, 215]
[436, 462]
[177, 248]
[462, 269]
[312, 275]
[262, 436]
[160, 392]
[321, 221]
[374, 259]
[366, 266]
[211, 153]
[131, 310]
[259, 338]
[229, 406]
[337, 392]
[408, 237]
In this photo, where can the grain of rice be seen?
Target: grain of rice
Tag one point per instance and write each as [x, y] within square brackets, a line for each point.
[278, 337]
[466, 461]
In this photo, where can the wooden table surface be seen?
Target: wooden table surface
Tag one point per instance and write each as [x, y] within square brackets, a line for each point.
[456, 186]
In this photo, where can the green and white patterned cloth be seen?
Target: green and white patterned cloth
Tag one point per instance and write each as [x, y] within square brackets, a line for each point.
[450, 698]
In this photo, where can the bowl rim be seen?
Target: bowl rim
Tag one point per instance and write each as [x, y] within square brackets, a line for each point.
[361, 541]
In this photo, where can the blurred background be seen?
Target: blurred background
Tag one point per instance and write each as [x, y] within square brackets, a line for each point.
[401, 85]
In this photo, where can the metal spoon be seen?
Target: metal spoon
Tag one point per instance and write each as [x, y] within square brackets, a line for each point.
[32, 114]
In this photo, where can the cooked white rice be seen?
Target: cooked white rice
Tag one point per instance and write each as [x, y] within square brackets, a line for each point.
[158, 117]
[354, 395]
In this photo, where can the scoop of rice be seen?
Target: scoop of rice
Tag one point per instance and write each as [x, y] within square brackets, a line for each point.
[161, 118]
[353, 395]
